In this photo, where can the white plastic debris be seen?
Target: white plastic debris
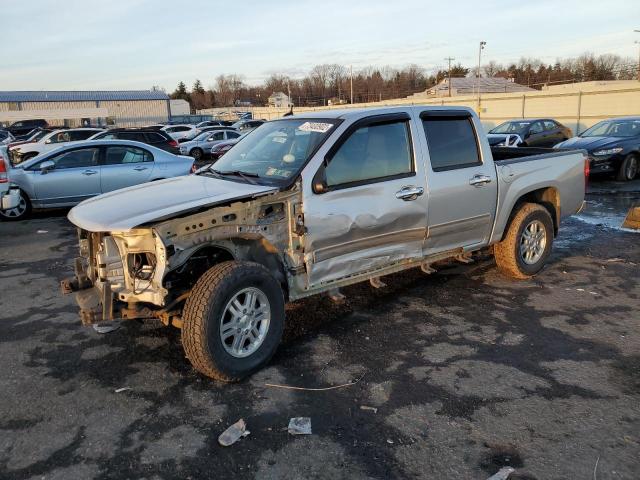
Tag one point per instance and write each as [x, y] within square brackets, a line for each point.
[502, 474]
[42, 231]
[123, 389]
[106, 328]
[371, 409]
[234, 433]
[300, 426]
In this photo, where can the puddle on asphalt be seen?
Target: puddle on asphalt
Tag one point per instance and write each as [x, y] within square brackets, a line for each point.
[609, 210]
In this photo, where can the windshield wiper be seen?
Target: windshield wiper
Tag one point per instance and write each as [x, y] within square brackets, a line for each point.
[238, 173]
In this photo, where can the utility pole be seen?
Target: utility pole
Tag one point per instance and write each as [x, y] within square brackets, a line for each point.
[351, 84]
[449, 72]
[482, 44]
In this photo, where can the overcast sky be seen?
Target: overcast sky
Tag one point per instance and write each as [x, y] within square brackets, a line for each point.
[135, 44]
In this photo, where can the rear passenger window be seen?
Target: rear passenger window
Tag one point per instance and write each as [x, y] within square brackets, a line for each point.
[76, 135]
[133, 136]
[371, 153]
[549, 125]
[123, 155]
[452, 143]
[153, 137]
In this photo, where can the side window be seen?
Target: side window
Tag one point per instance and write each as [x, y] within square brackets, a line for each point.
[84, 157]
[153, 137]
[75, 135]
[232, 134]
[118, 155]
[59, 137]
[135, 136]
[536, 128]
[216, 136]
[371, 153]
[452, 143]
[549, 125]
[108, 136]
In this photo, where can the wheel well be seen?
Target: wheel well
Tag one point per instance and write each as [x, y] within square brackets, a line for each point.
[258, 251]
[548, 197]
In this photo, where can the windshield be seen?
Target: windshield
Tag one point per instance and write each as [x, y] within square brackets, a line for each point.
[511, 127]
[275, 151]
[613, 128]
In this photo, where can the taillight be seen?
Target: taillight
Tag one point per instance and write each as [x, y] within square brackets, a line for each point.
[3, 171]
[173, 143]
[587, 168]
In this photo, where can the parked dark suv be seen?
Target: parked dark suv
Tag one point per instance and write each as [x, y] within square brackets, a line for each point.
[25, 126]
[150, 136]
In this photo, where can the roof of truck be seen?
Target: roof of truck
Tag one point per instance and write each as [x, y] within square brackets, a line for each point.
[345, 113]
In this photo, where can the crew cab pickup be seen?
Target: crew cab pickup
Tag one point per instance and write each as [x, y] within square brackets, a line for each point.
[305, 205]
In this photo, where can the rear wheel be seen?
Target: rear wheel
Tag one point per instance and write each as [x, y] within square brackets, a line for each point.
[628, 168]
[233, 320]
[19, 212]
[527, 244]
[196, 153]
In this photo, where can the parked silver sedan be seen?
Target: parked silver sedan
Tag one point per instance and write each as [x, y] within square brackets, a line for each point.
[201, 145]
[70, 174]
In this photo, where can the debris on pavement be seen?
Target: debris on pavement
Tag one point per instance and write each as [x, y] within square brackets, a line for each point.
[123, 389]
[502, 474]
[106, 328]
[389, 441]
[632, 220]
[300, 426]
[232, 434]
[42, 231]
[322, 389]
[371, 409]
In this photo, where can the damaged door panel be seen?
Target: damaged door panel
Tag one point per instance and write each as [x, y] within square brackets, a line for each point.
[306, 205]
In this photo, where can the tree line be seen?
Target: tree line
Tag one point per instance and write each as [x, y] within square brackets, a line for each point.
[334, 83]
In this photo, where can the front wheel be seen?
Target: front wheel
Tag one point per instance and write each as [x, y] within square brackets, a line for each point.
[527, 245]
[233, 320]
[628, 168]
[21, 211]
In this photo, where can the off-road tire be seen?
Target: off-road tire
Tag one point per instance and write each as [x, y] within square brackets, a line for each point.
[623, 174]
[507, 252]
[202, 315]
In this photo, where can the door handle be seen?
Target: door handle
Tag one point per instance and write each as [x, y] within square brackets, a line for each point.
[139, 169]
[479, 180]
[89, 172]
[409, 193]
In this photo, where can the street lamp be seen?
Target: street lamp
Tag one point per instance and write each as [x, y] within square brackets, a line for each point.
[482, 44]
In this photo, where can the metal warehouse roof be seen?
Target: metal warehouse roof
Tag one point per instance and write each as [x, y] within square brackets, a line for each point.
[81, 96]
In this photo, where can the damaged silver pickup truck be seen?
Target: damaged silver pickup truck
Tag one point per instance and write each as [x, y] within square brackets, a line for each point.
[305, 205]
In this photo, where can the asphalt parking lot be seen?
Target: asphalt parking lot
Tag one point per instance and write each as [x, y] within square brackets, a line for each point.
[460, 373]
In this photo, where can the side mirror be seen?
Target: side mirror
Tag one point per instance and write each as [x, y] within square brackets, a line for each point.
[320, 182]
[47, 166]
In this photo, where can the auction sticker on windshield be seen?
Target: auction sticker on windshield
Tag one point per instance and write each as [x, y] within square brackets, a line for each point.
[315, 127]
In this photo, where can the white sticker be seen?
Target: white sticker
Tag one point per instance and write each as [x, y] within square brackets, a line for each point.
[315, 127]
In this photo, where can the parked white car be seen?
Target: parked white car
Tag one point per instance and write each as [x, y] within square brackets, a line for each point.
[180, 131]
[26, 151]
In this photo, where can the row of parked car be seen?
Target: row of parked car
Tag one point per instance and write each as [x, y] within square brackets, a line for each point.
[58, 167]
[613, 145]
